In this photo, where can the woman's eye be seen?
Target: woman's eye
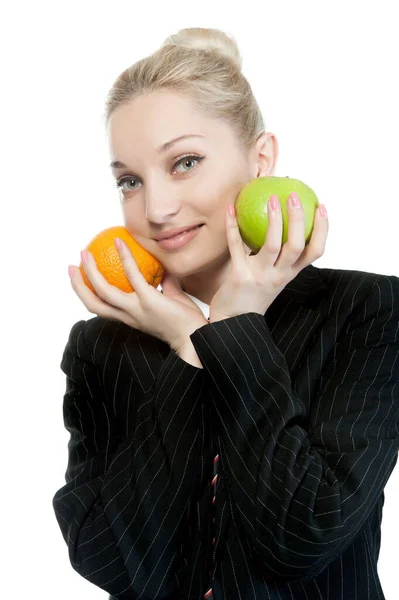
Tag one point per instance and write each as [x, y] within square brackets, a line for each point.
[120, 183]
[183, 161]
[188, 159]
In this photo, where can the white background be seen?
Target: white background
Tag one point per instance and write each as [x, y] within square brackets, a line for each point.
[325, 76]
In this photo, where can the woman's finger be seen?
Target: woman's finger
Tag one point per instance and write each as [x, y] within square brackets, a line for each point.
[104, 290]
[92, 302]
[317, 243]
[110, 293]
[133, 273]
[271, 248]
[236, 244]
[295, 244]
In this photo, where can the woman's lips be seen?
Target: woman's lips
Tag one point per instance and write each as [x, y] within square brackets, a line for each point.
[179, 240]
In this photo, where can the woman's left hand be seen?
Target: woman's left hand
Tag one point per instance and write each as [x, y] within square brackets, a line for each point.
[255, 281]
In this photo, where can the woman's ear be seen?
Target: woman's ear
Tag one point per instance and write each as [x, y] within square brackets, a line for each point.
[266, 155]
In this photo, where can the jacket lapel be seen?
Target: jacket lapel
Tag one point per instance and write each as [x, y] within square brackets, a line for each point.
[295, 316]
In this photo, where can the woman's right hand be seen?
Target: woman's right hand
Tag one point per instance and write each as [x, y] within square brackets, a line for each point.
[171, 317]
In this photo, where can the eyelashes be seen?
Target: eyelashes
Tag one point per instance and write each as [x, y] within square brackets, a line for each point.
[125, 178]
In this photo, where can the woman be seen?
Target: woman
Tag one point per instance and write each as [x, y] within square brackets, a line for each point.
[231, 438]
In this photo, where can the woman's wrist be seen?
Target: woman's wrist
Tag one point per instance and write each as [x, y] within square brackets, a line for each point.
[188, 353]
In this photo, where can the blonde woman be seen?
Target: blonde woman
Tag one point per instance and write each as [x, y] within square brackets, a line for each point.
[231, 437]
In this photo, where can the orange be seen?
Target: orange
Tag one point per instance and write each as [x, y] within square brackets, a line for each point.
[110, 265]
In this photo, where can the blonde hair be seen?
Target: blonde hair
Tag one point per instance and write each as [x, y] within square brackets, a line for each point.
[203, 65]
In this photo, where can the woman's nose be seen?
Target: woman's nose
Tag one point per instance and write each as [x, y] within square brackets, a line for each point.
[159, 210]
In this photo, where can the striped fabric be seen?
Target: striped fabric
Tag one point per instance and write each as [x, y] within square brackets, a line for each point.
[259, 476]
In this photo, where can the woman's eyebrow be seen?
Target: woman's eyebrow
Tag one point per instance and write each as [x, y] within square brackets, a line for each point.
[120, 165]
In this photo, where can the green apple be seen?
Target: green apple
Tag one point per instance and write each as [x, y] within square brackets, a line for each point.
[251, 208]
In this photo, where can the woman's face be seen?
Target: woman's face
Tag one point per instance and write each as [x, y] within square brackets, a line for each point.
[163, 192]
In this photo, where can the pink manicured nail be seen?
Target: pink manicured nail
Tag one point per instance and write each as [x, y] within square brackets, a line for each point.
[322, 211]
[84, 256]
[294, 199]
[70, 271]
[274, 202]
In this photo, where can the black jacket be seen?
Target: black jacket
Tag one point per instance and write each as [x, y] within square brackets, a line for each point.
[260, 476]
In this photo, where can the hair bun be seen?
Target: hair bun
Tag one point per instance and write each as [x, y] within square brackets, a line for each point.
[207, 39]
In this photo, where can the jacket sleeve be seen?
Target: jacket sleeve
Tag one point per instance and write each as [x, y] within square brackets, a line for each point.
[121, 509]
[303, 494]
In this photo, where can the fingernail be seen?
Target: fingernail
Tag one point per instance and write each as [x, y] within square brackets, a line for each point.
[84, 256]
[118, 243]
[232, 211]
[274, 203]
[294, 200]
[70, 271]
[323, 211]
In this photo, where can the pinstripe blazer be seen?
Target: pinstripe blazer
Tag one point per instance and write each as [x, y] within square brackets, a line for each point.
[260, 476]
